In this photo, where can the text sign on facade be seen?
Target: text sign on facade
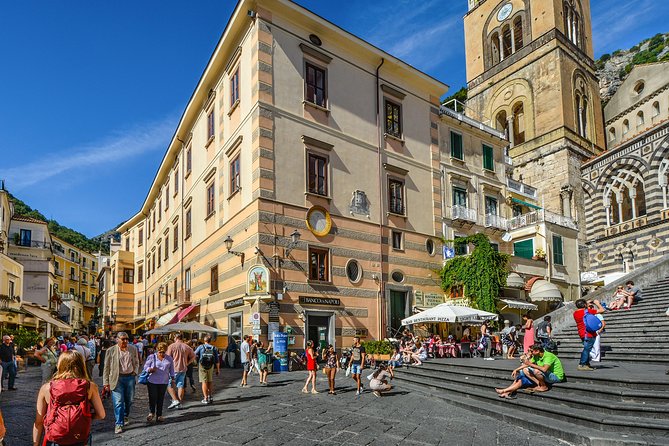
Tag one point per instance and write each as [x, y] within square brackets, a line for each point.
[306, 300]
[422, 299]
[274, 308]
[234, 303]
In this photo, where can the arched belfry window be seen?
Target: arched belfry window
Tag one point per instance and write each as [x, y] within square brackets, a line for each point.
[581, 109]
[572, 23]
[518, 123]
[502, 122]
[506, 38]
[639, 119]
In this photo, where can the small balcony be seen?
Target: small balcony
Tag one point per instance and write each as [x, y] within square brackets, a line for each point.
[84, 281]
[521, 188]
[495, 221]
[59, 272]
[29, 243]
[74, 277]
[541, 216]
[463, 213]
[183, 297]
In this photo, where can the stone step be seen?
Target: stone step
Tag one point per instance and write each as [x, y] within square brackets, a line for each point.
[532, 420]
[589, 418]
[606, 393]
[607, 344]
[613, 375]
[571, 395]
[634, 357]
[648, 318]
[624, 331]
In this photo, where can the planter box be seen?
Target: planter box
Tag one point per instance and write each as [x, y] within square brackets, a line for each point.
[378, 357]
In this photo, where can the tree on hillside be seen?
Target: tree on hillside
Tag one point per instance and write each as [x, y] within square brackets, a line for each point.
[482, 273]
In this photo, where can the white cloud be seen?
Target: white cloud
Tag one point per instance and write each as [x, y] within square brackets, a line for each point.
[117, 147]
[616, 19]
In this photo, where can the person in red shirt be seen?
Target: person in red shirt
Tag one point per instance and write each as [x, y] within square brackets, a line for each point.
[587, 337]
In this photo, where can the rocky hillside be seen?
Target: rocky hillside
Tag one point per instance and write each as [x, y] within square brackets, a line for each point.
[613, 68]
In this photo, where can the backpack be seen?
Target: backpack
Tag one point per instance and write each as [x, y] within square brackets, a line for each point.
[207, 357]
[68, 417]
[542, 331]
[591, 322]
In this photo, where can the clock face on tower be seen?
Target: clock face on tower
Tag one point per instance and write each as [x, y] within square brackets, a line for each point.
[319, 221]
[504, 12]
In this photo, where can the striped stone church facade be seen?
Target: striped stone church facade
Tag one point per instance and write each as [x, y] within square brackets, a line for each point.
[626, 202]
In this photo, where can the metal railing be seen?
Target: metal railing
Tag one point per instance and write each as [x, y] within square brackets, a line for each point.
[59, 272]
[495, 221]
[74, 277]
[463, 213]
[540, 216]
[473, 122]
[521, 188]
[30, 244]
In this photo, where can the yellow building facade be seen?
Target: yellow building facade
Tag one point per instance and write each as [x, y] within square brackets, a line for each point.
[76, 283]
[11, 271]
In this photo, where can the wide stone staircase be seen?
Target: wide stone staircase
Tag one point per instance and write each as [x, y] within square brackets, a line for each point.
[638, 334]
[624, 402]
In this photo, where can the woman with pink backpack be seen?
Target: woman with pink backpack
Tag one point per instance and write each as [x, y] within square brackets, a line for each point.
[68, 396]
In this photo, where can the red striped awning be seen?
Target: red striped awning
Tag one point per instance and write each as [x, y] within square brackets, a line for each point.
[184, 312]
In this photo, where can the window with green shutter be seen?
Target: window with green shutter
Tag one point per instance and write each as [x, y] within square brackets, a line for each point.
[456, 146]
[524, 249]
[558, 255]
[488, 160]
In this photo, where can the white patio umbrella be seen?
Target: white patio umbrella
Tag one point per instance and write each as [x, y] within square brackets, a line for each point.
[449, 313]
[186, 326]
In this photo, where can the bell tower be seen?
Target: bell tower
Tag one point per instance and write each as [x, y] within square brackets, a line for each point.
[530, 72]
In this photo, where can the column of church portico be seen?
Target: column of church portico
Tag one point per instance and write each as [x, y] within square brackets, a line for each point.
[619, 199]
[633, 199]
[513, 40]
[501, 46]
[607, 208]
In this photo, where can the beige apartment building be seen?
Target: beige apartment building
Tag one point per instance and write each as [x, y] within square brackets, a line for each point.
[11, 271]
[297, 186]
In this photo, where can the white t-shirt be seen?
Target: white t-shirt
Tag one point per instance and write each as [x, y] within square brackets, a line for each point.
[139, 346]
[245, 349]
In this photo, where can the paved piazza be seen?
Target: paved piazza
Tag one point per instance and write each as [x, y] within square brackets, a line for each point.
[280, 414]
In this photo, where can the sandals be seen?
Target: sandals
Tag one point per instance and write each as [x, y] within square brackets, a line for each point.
[160, 419]
[149, 417]
[304, 390]
[314, 391]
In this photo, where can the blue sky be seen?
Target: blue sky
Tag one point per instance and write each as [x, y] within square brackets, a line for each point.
[91, 91]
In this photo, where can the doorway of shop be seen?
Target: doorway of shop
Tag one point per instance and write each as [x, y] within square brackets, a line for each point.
[398, 305]
[318, 330]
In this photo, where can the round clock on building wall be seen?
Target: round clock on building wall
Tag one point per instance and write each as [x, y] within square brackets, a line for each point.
[504, 12]
[319, 221]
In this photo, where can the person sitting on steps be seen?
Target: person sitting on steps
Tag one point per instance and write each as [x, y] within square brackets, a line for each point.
[542, 370]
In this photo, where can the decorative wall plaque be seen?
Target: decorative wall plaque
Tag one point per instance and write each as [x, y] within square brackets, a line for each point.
[359, 203]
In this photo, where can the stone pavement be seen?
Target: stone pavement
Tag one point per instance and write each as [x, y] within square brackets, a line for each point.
[279, 414]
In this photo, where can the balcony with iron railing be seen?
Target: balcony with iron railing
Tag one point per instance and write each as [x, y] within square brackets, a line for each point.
[541, 216]
[74, 277]
[521, 188]
[30, 243]
[183, 297]
[461, 116]
[59, 272]
[495, 221]
[463, 213]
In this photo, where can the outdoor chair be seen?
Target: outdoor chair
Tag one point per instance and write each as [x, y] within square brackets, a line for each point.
[465, 349]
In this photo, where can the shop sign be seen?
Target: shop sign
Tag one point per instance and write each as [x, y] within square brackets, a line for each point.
[257, 282]
[422, 299]
[256, 331]
[460, 302]
[274, 309]
[306, 300]
[234, 303]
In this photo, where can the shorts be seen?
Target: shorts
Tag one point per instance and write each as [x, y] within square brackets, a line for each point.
[395, 363]
[246, 366]
[180, 379]
[262, 366]
[206, 375]
[356, 369]
[550, 378]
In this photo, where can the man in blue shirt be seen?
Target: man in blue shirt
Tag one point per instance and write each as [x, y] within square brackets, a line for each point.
[207, 359]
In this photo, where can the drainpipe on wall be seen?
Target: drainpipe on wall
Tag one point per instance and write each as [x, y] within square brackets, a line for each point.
[380, 307]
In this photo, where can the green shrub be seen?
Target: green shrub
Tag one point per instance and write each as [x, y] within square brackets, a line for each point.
[378, 347]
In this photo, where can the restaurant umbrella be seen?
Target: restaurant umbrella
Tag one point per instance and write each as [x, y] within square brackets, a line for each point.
[449, 313]
[185, 326]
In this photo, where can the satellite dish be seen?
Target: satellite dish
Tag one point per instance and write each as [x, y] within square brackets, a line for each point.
[506, 237]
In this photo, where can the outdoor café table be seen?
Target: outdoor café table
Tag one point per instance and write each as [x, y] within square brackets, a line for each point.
[449, 350]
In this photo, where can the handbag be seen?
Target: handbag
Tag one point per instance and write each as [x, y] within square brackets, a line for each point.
[144, 376]
[348, 371]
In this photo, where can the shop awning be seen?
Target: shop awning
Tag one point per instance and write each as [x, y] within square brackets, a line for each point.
[41, 313]
[513, 280]
[181, 315]
[525, 203]
[166, 318]
[543, 290]
[518, 304]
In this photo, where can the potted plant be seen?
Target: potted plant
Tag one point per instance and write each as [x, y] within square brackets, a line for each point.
[379, 350]
[539, 254]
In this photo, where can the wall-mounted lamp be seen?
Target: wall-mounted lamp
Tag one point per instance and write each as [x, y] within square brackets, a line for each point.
[228, 245]
[294, 239]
